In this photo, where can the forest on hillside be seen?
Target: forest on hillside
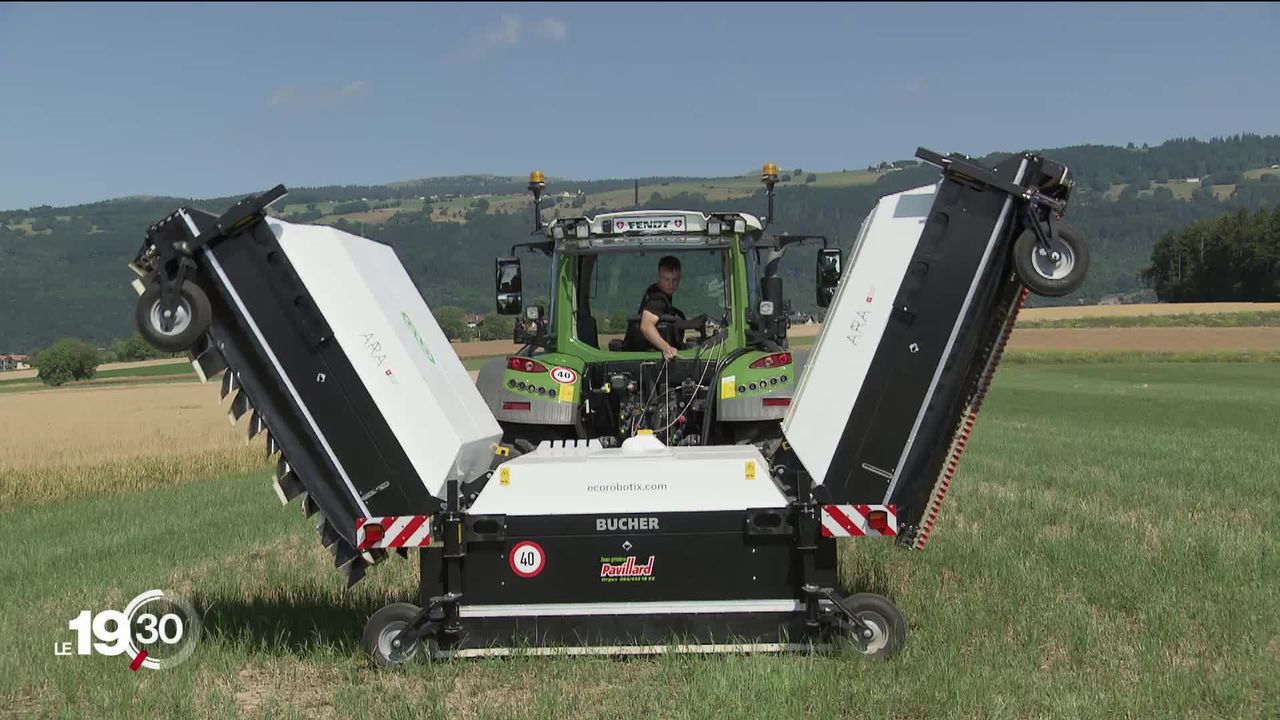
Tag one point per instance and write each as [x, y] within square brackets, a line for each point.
[63, 270]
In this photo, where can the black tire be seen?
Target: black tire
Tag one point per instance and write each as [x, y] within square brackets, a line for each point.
[194, 316]
[1044, 276]
[379, 635]
[888, 627]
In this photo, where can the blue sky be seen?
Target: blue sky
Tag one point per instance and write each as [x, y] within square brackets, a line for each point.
[101, 101]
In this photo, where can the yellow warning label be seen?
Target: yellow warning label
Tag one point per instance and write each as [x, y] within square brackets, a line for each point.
[504, 476]
[751, 470]
[728, 387]
[566, 393]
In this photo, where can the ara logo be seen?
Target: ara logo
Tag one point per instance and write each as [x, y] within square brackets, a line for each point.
[858, 325]
[374, 347]
[623, 524]
[625, 568]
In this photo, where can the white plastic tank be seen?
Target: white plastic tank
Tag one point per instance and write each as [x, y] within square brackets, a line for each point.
[643, 443]
[388, 334]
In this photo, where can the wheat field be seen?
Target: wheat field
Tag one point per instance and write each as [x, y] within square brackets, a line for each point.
[112, 439]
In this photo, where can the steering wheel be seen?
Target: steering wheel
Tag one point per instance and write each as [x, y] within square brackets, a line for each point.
[675, 322]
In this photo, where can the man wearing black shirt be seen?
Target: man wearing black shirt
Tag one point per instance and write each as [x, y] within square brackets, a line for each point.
[656, 303]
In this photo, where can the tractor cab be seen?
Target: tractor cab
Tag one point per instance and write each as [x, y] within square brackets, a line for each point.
[587, 371]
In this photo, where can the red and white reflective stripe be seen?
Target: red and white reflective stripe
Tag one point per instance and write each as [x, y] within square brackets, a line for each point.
[854, 521]
[393, 531]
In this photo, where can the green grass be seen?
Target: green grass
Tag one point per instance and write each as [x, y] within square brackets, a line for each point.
[1111, 357]
[147, 375]
[1108, 550]
[178, 367]
[1249, 318]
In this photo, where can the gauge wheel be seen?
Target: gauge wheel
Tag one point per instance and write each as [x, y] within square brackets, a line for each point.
[1052, 271]
[190, 319]
[380, 639]
[886, 628]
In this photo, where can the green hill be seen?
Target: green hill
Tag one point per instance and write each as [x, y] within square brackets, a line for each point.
[62, 270]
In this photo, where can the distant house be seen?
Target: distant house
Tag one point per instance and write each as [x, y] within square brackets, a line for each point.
[14, 362]
[473, 320]
[1191, 180]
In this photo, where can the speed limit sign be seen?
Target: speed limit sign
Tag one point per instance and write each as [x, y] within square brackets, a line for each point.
[527, 559]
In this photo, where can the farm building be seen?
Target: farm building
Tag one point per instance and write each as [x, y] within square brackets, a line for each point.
[14, 362]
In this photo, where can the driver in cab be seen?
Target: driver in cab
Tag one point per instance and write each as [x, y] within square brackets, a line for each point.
[657, 301]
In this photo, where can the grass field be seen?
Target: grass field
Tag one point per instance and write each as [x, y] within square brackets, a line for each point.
[1108, 551]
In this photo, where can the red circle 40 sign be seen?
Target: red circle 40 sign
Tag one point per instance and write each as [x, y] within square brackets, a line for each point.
[527, 559]
[564, 375]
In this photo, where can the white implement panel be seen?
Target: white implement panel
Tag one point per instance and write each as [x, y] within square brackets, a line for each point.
[842, 355]
[592, 479]
[403, 358]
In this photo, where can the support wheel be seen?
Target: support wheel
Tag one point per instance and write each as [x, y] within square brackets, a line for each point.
[191, 318]
[379, 640]
[1056, 271]
[888, 627]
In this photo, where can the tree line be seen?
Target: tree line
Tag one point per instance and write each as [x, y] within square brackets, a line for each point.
[67, 277]
[1235, 257]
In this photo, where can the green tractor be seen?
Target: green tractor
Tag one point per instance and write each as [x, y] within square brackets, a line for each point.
[733, 376]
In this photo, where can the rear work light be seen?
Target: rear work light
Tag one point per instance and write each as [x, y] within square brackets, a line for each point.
[520, 364]
[774, 360]
[878, 520]
[507, 405]
[777, 402]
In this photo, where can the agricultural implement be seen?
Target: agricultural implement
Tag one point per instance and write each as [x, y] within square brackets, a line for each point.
[323, 341]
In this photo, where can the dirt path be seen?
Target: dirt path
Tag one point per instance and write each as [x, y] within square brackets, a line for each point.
[1175, 339]
[28, 374]
[1079, 311]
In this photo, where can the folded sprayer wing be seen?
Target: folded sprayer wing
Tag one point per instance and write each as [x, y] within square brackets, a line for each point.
[326, 346]
[897, 375]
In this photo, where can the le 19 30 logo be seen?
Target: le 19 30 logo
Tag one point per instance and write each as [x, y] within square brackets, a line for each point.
[156, 630]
